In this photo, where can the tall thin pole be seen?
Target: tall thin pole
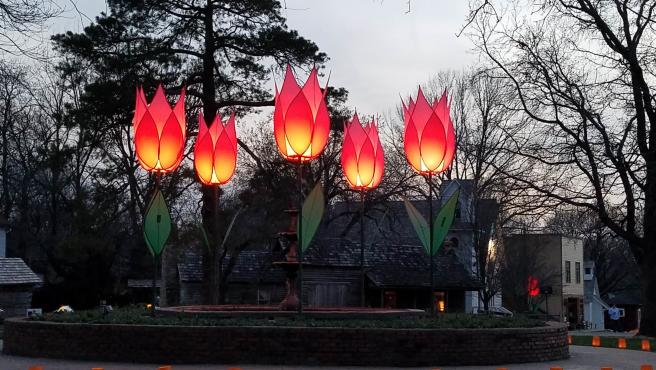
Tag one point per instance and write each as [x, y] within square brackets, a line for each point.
[430, 238]
[299, 237]
[362, 277]
[216, 269]
[156, 258]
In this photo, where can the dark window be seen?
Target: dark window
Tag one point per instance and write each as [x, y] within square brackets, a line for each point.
[577, 267]
[568, 272]
[588, 270]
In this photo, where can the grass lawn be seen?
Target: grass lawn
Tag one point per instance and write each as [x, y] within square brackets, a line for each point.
[139, 316]
[635, 343]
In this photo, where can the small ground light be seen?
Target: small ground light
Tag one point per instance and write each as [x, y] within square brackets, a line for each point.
[621, 343]
[36, 368]
[606, 368]
[646, 367]
[165, 368]
[555, 368]
[569, 339]
[646, 346]
[596, 341]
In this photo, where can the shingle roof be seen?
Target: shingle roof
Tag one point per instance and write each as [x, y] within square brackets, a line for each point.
[387, 266]
[14, 271]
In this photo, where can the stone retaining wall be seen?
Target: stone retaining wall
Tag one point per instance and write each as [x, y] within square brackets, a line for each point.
[285, 345]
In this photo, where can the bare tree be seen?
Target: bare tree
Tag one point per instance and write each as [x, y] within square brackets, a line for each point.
[583, 72]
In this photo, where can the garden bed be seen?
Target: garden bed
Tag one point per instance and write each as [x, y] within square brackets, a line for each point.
[633, 343]
[132, 337]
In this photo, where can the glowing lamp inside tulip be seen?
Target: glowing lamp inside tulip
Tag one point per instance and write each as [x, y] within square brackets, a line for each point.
[301, 124]
[596, 341]
[215, 152]
[621, 343]
[645, 345]
[159, 131]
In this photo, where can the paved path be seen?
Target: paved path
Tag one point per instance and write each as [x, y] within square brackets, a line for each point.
[582, 358]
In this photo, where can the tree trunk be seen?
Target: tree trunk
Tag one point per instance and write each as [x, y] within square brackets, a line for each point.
[648, 280]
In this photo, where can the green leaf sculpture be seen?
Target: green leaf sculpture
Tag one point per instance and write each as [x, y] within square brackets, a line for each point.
[313, 208]
[419, 223]
[157, 224]
[444, 221]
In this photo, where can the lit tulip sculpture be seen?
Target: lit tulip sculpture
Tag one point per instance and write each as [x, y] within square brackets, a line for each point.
[215, 161]
[363, 163]
[301, 126]
[159, 141]
[429, 144]
[215, 152]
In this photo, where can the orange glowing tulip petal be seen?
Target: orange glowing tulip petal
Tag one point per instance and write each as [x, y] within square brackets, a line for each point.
[411, 146]
[312, 92]
[349, 160]
[171, 144]
[146, 142]
[203, 157]
[225, 158]
[159, 109]
[298, 125]
[140, 108]
[432, 144]
[232, 131]
[321, 131]
[366, 163]
[279, 130]
[288, 92]
[421, 112]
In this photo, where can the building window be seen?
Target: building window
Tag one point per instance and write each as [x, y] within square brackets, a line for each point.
[577, 267]
[588, 270]
[568, 272]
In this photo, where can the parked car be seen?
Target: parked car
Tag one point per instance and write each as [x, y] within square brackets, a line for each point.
[496, 311]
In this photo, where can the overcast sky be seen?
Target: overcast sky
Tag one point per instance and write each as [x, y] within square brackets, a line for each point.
[377, 50]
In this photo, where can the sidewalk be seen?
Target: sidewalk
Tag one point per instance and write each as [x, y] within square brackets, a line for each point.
[582, 358]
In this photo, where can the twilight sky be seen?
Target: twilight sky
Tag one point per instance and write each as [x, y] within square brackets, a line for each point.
[377, 50]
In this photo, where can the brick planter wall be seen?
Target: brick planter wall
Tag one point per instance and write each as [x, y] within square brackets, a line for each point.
[285, 345]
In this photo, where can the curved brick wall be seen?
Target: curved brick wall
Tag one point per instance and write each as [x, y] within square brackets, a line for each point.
[284, 345]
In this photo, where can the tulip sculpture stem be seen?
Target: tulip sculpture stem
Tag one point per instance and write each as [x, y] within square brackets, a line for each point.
[299, 238]
[430, 238]
[158, 178]
[216, 267]
[362, 275]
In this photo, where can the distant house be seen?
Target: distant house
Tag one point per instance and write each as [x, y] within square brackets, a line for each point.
[556, 261]
[17, 281]
[594, 306]
[629, 302]
[397, 267]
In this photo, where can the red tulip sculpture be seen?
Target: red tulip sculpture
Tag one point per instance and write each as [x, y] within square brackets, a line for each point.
[301, 127]
[159, 132]
[159, 141]
[430, 144]
[363, 160]
[301, 123]
[215, 152]
[363, 163]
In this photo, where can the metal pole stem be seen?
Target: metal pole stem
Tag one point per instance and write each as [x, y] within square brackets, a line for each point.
[216, 269]
[299, 237]
[156, 258]
[430, 239]
[362, 277]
